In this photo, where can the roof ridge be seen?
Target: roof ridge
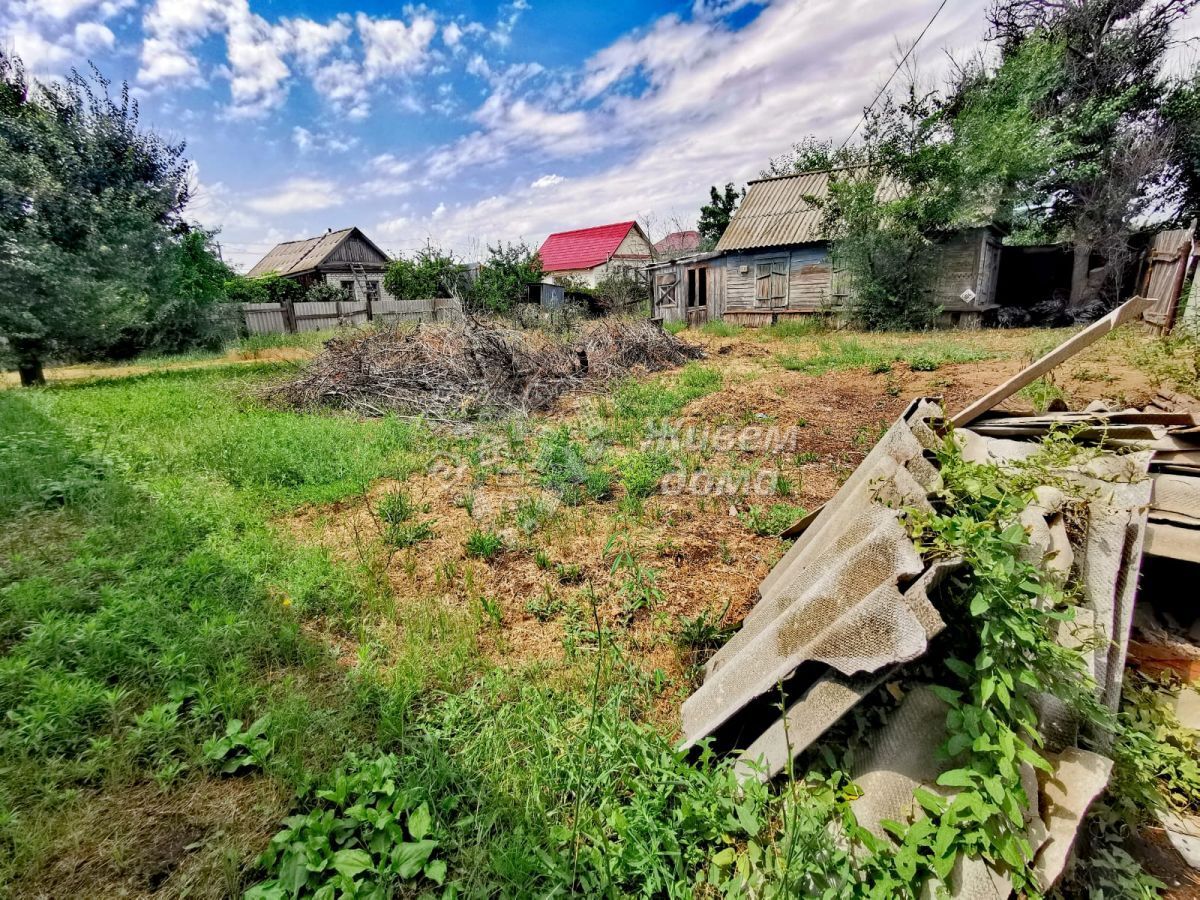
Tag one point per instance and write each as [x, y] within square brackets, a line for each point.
[826, 171]
[629, 222]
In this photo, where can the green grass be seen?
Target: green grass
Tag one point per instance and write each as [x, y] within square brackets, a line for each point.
[1041, 394]
[850, 353]
[146, 599]
[796, 327]
[719, 328]
[639, 401]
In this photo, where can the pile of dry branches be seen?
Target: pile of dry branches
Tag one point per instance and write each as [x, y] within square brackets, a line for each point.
[475, 368]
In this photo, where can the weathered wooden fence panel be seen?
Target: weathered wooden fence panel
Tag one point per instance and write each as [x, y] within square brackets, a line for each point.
[1167, 260]
[284, 318]
[264, 318]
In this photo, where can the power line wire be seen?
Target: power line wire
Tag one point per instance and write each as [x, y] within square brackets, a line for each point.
[895, 71]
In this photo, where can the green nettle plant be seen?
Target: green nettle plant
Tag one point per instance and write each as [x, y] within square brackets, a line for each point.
[367, 838]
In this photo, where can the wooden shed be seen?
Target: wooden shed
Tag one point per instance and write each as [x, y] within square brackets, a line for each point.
[773, 262]
[347, 259]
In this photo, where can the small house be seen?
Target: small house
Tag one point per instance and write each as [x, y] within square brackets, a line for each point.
[773, 262]
[347, 259]
[588, 255]
[677, 243]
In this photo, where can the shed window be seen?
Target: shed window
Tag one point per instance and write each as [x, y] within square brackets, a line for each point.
[771, 282]
[372, 291]
[348, 288]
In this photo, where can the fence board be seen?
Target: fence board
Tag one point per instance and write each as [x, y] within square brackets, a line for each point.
[273, 318]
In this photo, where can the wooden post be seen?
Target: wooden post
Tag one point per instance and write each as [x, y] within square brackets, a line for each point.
[1126, 312]
[289, 316]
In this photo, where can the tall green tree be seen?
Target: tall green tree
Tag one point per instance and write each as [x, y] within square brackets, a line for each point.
[1182, 113]
[715, 215]
[1104, 108]
[88, 203]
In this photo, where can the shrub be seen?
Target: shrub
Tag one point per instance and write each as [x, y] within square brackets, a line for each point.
[397, 507]
[408, 534]
[502, 279]
[429, 273]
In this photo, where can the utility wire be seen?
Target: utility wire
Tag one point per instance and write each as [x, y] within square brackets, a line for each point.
[895, 71]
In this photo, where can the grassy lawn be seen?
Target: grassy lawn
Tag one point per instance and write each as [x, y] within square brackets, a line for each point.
[269, 621]
[148, 602]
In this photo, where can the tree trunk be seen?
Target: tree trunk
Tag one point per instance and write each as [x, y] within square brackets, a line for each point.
[1080, 265]
[30, 370]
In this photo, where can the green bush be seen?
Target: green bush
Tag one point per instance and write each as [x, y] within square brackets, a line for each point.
[503, 278]
[429, 273]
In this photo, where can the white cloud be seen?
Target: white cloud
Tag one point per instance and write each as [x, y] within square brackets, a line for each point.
[262, 58]
[321, 141]
[438, 212]
[297, 195]
[51, 36]
[392, 46]
[716, 105]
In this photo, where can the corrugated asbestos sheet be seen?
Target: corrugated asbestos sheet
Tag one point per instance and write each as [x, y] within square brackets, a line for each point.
[777, 212]
[847, 603]
[294, 257]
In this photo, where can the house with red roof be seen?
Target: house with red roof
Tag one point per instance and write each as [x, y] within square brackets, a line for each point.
[589, 254]
[677, 243]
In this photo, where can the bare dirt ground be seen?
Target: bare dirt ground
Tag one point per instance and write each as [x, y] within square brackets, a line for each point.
[704, 558]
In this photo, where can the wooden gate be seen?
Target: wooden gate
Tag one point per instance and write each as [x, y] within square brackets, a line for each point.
[1167, 260]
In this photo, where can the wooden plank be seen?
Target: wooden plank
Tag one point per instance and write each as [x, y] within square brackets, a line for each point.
[1126, 312]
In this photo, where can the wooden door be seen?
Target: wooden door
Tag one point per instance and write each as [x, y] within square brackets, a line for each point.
[697, 295]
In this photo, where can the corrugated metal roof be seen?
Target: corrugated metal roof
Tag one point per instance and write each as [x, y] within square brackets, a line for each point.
[780, 211]
[294, 257]
[583, 248]
[678, 242]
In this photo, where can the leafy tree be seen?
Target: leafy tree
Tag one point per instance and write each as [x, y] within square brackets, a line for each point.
[429, 273]
[1181, 110]
[502, 279]
[810, 154]
[1103, 108]
[191, 311]
[715, 215]
[88, 201]
[270, 288]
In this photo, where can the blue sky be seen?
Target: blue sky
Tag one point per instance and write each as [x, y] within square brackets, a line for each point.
[470, 122]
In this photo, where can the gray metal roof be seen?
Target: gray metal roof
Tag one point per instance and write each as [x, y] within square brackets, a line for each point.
[780, 211]
[295, 257]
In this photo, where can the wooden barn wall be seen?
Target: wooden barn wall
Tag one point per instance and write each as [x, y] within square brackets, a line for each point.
[968, 260]
[353, 250]
[809, 278]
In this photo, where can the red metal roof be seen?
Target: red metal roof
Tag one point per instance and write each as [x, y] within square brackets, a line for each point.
[678, 242]
[584, 248]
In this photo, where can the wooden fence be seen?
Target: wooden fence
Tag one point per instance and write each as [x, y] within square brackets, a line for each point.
[288, 318]
[1166, 265]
